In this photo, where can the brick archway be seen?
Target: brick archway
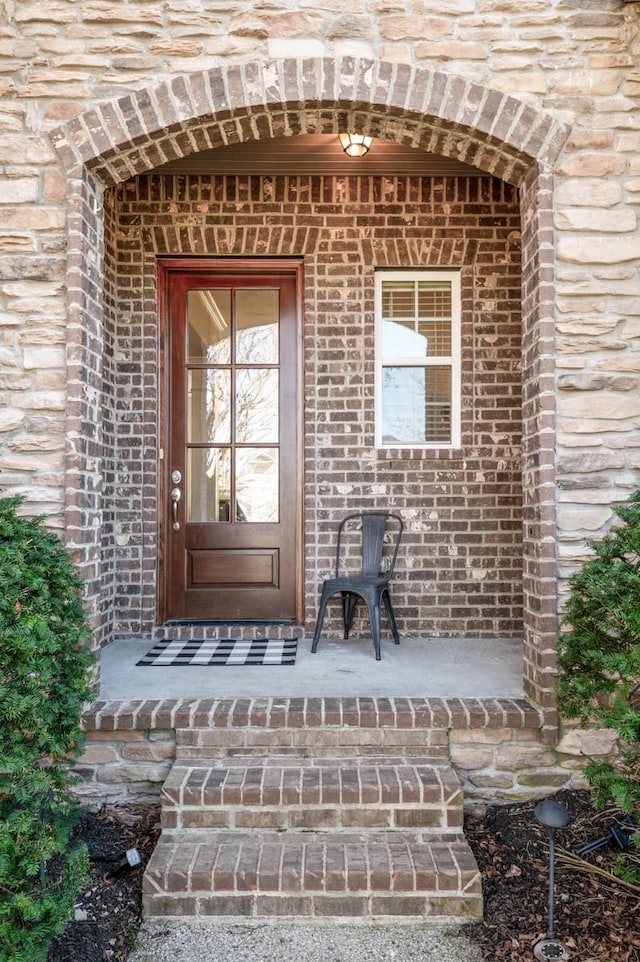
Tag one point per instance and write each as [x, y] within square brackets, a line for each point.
[435, 111]
[428, 109]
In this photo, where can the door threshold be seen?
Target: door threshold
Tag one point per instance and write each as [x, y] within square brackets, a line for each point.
[176, 622]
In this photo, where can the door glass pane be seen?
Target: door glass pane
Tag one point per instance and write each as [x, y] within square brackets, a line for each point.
[209, 327]
[416, 405]
[257, 493]
[257, 326]
[209, 484]
[209, 406]
[257, 405]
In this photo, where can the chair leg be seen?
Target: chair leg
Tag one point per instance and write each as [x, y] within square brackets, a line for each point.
[349, 602]
[392, 617]
[376, 630]
[320, 619]
[373, 604]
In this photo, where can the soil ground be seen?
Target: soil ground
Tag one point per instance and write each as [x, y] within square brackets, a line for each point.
[108, 912]
[596, 917]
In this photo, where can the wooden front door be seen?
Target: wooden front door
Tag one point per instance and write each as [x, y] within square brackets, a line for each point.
[232, 468]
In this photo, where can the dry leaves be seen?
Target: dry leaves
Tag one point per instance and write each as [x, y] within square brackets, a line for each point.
[593, 920]
[108, 912]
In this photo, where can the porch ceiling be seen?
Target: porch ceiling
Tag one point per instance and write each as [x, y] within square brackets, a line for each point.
[307, 154]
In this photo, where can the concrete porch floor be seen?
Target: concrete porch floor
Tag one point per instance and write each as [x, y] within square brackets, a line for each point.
[417, 668]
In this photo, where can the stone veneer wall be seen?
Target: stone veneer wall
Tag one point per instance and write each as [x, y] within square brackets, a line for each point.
[460, 570]
[571, 59]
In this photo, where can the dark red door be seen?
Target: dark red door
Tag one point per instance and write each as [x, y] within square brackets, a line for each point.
[232, 466]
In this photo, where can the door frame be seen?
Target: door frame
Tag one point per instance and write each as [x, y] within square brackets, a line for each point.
[167, 266]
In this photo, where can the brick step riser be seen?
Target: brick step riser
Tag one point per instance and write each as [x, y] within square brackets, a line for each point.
[399, 908]
[310, 742]
[296, 819]
[191, 755]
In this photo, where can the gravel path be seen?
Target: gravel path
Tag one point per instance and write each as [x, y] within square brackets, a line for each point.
[292, 942]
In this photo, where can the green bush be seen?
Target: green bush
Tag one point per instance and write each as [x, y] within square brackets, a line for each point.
[45, 678]
[599, 655]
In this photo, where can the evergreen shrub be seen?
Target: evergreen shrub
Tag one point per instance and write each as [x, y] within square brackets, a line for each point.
[45, 679]
[599, 656]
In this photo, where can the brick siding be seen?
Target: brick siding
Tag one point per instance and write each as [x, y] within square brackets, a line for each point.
[460, 570]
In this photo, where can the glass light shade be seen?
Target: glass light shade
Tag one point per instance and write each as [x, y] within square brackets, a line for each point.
[355, 145]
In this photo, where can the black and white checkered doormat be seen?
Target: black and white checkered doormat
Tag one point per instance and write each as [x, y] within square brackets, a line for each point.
[225, 651]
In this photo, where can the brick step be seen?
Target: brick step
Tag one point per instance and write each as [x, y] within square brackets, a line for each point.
[207, 873]
[331, 727]
[301, 793]
[310, 736]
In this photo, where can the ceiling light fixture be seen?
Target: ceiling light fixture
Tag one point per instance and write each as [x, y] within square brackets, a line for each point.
[355, 145]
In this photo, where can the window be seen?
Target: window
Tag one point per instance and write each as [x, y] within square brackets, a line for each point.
[417, 359]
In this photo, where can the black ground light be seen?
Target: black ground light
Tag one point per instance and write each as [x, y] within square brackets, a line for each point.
[130, 859]
[619, 834]
[553, 815]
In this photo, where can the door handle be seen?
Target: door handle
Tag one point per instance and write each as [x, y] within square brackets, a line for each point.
[176, 494]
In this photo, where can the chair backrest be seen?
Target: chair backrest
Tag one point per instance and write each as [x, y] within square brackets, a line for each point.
[374, 525]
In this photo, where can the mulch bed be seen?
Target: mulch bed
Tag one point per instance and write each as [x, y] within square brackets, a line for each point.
[596, 920]
[108, 912]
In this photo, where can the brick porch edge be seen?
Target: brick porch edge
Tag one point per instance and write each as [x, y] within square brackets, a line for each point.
[494, 744]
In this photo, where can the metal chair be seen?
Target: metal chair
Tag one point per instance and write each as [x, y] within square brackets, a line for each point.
[372, 583]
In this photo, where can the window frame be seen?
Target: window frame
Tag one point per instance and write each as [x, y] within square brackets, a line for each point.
[453, 361]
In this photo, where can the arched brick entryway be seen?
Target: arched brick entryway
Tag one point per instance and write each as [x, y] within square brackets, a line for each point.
[431, 110]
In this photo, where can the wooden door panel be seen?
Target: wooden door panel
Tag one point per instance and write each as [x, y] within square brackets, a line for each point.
[233, 567]
[233, 443]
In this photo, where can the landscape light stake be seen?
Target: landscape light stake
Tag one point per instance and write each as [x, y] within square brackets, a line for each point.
[619, 834]
[130, 859]
[552, 815]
